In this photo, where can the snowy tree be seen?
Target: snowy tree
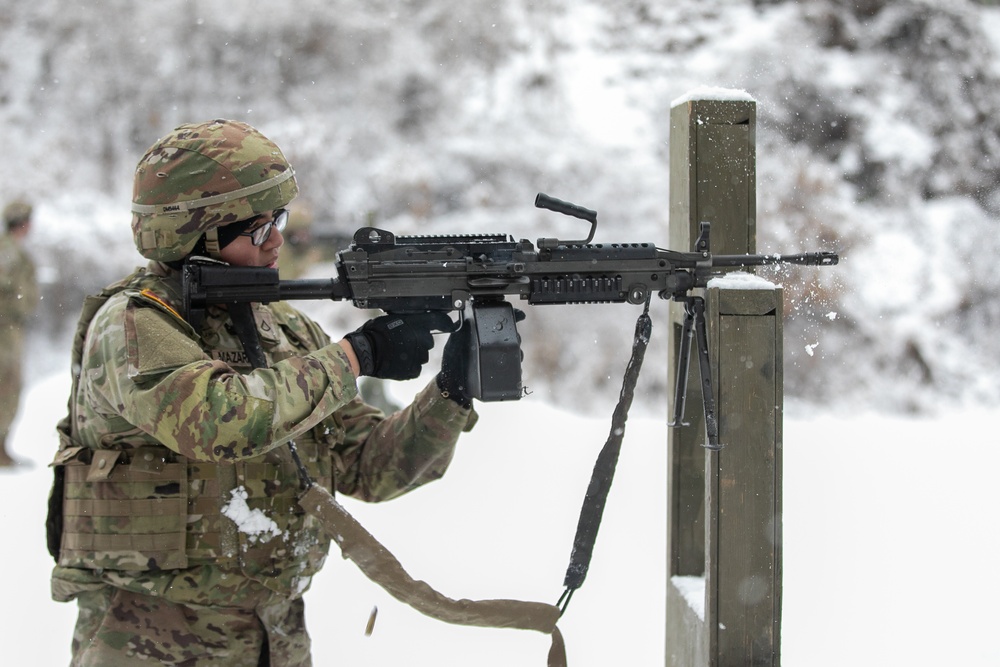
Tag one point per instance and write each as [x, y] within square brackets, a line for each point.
[877, 135]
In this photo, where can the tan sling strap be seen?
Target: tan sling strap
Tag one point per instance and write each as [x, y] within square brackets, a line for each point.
[379, 565]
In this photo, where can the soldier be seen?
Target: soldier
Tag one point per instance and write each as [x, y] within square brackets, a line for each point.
[173, 517]
[18, 297]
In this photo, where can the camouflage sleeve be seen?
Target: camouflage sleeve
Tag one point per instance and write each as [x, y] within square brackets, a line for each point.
[145, 365]
[384, 457]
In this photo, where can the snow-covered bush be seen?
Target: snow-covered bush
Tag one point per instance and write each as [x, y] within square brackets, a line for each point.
[878, 134]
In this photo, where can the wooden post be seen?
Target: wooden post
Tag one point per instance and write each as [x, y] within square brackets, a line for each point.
[724, 514]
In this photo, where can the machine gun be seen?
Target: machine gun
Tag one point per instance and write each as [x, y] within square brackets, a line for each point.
[475, 274]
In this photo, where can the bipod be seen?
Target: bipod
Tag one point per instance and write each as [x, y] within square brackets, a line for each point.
[695, 327]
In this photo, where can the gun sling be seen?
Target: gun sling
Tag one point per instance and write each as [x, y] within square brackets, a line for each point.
[379, 565]
[604, 468]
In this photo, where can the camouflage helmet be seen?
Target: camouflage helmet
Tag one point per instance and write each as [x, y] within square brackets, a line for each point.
[16, 213]
[201, 177]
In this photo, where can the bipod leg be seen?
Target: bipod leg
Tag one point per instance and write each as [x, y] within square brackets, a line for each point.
[683, 368]
[708, 394]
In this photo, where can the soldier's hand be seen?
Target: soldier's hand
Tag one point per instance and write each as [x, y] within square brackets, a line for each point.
[394, 347]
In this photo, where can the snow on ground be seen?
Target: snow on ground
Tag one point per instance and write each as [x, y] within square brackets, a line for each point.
[889, 531]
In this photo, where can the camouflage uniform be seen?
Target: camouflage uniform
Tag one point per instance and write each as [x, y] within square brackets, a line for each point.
[174, 513]
[18, 298]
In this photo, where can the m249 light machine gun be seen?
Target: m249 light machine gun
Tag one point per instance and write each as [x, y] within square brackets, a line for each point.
[474, 274]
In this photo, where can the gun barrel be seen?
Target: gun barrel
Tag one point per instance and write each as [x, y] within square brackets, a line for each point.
[803, 259]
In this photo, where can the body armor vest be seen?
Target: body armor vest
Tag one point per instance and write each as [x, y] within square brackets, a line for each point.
[139, 506]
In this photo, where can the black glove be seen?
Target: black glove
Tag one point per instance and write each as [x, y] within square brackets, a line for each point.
[394, 347]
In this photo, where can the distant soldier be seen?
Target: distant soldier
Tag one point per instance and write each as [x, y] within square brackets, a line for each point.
[18, 296]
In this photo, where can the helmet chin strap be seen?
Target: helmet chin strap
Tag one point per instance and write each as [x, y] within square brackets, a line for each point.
[212, 243]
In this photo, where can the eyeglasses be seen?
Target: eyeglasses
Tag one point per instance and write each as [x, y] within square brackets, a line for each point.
[260, 235]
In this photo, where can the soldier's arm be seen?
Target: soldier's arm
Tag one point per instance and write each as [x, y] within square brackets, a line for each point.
[384, 457]
[147, 367]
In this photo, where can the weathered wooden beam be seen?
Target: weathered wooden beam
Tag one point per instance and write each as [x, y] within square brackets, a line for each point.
[723, 537]
[743, 481]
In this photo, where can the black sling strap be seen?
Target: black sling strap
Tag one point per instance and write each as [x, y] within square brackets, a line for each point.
[604, 468]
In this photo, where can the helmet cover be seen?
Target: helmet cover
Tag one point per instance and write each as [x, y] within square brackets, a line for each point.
[203, 176]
